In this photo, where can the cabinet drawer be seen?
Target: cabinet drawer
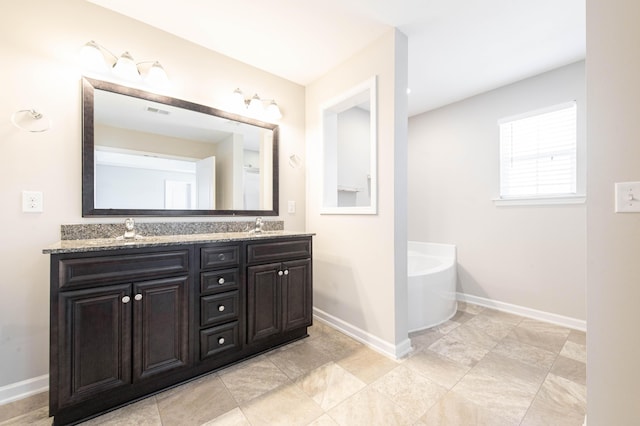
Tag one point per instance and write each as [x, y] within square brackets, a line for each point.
[281, 250]
[219, 308]
[96, 270]
[218, 281]
[219, 256]
[219, 339]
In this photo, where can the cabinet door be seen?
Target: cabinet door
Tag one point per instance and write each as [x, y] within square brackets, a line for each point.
[94, 337]
[297, 294]
[264, 303]
[160, 326]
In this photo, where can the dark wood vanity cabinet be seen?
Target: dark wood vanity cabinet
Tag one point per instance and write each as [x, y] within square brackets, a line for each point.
[118, 322]
[279, 294]
[117, 335]
[95, 342]
[220, 301]
[126, 323]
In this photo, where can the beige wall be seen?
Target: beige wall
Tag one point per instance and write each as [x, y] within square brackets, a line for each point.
[360, 260]
[39, 44]
[529, 256]
[613, 242]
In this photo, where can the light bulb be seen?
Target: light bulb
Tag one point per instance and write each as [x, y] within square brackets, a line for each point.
[126, 68]
[156, 76]
[255, 105]
[237, 101]
[273, 111]
[92, 58]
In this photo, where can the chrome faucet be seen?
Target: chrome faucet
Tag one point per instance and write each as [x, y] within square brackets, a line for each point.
[258, 227]
[129, 228]
[129, 231]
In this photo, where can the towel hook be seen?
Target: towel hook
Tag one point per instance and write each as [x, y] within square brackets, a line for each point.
[30, 120]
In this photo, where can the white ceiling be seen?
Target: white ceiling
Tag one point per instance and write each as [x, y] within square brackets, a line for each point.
[457, 48]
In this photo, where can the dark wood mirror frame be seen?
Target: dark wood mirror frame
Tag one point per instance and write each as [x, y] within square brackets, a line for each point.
[88, 160]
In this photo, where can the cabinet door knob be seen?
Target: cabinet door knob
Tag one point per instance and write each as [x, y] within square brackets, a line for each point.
[221, 308]
[126, 299]
[220, 281]
[221, 341]
[280, 273]
[286, 272]
[221, 256]
[138, 296]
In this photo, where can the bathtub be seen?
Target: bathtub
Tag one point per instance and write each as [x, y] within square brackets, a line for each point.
[431, 284]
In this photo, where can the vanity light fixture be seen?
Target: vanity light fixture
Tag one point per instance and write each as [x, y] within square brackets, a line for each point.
[255, 106]
[100, 59]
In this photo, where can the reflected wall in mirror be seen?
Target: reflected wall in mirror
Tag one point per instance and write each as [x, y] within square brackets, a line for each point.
[349, 144]
[151, 155]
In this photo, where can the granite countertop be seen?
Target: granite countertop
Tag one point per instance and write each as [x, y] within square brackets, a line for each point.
[98, 244]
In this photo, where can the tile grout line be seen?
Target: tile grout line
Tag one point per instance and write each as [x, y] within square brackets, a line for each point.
[544, 380]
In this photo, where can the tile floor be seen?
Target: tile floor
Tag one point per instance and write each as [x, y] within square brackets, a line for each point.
[483, 367]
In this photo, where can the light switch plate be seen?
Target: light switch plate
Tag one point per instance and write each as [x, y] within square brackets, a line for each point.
[291, 207]
[628, 197]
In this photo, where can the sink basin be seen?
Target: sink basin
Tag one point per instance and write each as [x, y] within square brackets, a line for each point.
[135, 238]
[263, 233]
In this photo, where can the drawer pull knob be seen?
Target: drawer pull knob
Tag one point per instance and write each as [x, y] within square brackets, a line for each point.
[280, 273]
[286, 272]
[126, 299]
[138, 296]
[220, 281]
[221, 308]
[221, 341]
[221, 256]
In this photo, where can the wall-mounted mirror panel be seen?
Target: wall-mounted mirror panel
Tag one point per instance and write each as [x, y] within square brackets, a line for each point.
[151, 155]
[349, 143]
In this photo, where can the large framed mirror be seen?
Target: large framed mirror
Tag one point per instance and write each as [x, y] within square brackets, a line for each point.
[349, 145]
[145, 154]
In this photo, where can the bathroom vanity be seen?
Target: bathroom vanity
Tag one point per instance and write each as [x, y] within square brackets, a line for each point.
[131, 318]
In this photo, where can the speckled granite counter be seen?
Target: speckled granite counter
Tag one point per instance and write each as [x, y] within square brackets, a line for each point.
[85, 231]
[98, 244]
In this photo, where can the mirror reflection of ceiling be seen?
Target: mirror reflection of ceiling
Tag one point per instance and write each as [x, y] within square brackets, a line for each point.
[457, 48]
[146, 116]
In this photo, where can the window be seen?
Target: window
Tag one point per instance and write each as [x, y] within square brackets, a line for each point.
[538, 154]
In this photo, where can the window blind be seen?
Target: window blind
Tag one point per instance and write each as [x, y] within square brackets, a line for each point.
[538, 153]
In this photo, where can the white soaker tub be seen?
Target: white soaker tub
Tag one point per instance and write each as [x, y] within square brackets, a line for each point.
[431, 284]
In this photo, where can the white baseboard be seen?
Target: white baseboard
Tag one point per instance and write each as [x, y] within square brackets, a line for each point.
[568, 322]
[15, 391]
[374, 342]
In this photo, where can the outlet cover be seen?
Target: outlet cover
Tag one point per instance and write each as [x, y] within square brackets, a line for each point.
[32, 201]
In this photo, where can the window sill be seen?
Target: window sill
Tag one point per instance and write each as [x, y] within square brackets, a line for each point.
[540, 201]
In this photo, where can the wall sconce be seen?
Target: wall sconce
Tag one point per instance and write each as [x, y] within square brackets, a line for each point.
[124, 67]
[255, 106]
